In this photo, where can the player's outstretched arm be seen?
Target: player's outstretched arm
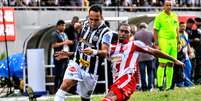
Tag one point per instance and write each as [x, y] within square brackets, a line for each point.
[160, 54]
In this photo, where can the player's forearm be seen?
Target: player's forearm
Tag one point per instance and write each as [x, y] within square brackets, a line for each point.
[104, 50]
[58, 44]
[160, 54]
[102, 53]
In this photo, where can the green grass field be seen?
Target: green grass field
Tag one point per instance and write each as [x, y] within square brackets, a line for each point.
[179, 94]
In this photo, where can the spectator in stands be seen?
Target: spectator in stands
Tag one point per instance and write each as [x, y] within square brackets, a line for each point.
[197, 3]
[60, 43]
[19, 3]
[166, 28]
[91, 2]
[107, 2]
[146, 61]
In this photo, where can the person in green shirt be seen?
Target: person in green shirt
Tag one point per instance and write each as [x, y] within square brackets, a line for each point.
[165, 38]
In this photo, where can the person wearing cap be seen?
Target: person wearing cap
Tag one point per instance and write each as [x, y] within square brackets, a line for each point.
[165, 38]
[146, 60]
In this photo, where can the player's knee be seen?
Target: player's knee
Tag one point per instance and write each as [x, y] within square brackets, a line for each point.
[110, 97]
[107, 99]
[170, 64]
[67, 84]
[162, 64]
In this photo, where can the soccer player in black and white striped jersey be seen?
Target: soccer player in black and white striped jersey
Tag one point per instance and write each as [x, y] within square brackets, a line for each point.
[92, 48]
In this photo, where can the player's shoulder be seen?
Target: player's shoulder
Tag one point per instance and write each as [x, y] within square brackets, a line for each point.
[139, 43]
[174, 13]
[159, 14]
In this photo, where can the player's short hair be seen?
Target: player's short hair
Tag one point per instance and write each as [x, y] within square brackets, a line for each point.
[123, 24]
[96, 8]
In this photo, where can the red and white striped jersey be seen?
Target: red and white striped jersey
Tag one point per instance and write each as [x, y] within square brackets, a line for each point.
[124, 57]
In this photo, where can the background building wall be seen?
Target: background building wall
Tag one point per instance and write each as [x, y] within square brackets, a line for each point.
[28, 22]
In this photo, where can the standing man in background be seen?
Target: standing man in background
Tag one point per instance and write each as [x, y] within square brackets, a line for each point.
[166, 38]
[60, 43]
[195, 41]
[72, 34]
[146, 60]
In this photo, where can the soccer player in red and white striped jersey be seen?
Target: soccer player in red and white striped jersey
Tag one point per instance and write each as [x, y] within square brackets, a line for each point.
[124, 56]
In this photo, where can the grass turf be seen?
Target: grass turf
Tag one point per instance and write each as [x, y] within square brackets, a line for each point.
[178, 94]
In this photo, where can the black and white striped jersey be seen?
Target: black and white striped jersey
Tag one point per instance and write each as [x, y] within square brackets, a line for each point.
[92, 38]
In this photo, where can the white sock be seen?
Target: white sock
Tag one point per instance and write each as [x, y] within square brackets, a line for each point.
[60, 95]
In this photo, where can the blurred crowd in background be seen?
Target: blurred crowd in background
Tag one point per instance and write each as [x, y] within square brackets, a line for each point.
[86, 3]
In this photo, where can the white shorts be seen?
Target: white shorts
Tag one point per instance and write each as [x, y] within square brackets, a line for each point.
[86, 82]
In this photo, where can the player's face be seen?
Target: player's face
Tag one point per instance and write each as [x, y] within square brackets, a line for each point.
[167, 6]
[95, 19]
[124, 32]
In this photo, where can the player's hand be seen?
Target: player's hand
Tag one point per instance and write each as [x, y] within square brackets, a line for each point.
[156, 47]
[68, 42]
[63, 55]
[179, 48]
[179, 63]
[90, 51]
[191, 55]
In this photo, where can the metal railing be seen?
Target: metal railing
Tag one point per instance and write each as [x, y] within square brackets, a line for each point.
[111, 8]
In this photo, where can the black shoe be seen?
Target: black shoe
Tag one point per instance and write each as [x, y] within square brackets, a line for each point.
[30, 93]
[160, 88]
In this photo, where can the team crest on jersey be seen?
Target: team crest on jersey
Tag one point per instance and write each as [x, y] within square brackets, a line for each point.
[72, 69]
[95, 38]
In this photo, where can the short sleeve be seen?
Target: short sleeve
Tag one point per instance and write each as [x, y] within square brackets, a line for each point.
[54, 38]
[107, 37]
[177, 18]
[141, 46]
[157, 23]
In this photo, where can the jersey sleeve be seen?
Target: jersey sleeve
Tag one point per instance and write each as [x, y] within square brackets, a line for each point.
[140, 46]
[177, 20]
[54, 38]
[157, 23]
[107, 37]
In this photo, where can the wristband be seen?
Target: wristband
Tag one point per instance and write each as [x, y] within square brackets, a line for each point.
[95, 52]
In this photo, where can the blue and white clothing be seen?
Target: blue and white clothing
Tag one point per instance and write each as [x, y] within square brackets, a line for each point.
[184, 42]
